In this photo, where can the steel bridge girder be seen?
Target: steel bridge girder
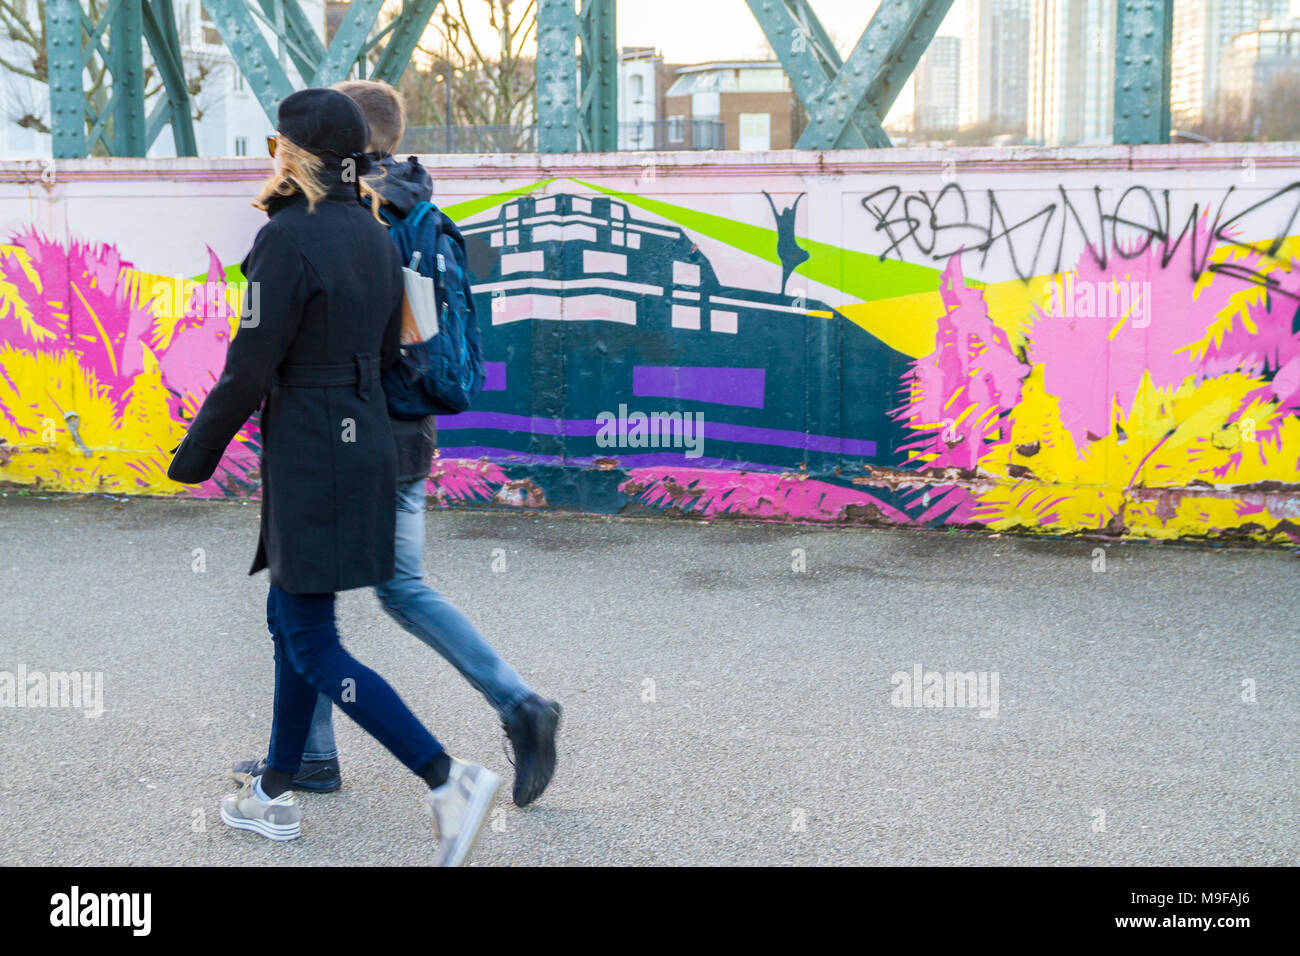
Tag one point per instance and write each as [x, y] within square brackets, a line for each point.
[253, 55]
[397, 52]
[63, 62]
[557, 76]
[1143, 62]
[348, 42]
[598, 77]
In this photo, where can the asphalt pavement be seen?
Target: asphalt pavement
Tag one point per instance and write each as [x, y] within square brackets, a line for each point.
[722, 706]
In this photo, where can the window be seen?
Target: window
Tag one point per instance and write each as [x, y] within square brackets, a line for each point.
[532, 261]
[210, 34]
[755, 131]
[594, 260]
[237, 80]
[686, 317]
[676, 129]
[706, 105]
[723, 321]
[241, 145]
[762, 81]
[573, 231]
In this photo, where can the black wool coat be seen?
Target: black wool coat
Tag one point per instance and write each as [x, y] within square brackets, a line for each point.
[328, 319]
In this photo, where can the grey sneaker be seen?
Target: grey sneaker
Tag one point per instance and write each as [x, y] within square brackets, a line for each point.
[459, 807]
[277, 819]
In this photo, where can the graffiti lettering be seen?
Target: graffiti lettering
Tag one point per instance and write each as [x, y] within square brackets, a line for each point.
[947, 223]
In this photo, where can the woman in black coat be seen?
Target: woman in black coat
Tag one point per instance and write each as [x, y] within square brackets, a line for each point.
[325, 288]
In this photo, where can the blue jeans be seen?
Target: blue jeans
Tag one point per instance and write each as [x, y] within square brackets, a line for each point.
[309, 662]
[433, 619]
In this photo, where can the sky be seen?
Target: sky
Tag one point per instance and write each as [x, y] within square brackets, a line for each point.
[691, 31]
[694, 31]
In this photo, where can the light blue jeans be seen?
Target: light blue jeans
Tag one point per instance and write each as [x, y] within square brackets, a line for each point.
[433, 619]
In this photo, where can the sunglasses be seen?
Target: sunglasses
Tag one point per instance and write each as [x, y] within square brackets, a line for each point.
[271, 142]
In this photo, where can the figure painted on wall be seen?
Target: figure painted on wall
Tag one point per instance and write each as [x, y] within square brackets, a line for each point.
[788, 250]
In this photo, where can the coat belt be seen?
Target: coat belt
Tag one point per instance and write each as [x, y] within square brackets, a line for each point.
[361, 372]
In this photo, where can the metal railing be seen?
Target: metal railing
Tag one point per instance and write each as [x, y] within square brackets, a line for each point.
[649, 135]
[673, 134]
[469, 139]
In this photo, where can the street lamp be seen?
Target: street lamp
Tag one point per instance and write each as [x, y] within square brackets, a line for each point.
[444, 76]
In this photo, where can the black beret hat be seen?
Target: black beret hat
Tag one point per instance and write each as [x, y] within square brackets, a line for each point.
[324, 122]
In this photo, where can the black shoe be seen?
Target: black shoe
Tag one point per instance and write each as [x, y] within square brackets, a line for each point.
[316, 776]
[532, 729]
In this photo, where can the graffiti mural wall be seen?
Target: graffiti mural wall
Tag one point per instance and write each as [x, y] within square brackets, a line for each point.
[1062, 341]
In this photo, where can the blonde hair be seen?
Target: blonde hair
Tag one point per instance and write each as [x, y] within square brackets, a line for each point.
[300, 172]
[384, 108]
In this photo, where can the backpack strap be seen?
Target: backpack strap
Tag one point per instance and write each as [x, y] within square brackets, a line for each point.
[419, 212]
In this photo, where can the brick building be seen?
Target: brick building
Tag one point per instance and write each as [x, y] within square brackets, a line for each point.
[751, 98]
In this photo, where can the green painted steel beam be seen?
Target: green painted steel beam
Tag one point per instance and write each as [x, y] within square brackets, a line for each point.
[577, 94]
[99, 130]
[915, 40]
[813, 64]
[598, 77]
[67, 96]
[847, 100]
[873, 75]
[348, 42]
[174, 106]
[557, 77]
[95, 33]
[802, 45]
[317, 65]
[292, 26]
[123, 125]
[253, 55]
[1143, 61]
[408, 27]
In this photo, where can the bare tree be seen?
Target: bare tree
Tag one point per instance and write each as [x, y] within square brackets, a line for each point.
[492, 76]
[22, 25]
[1272, 114]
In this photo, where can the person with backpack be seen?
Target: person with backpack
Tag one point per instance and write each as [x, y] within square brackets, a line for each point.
[326, 323]
[416, 386]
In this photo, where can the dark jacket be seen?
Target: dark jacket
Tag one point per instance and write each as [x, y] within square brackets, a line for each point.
[328, 319]
[402, 186]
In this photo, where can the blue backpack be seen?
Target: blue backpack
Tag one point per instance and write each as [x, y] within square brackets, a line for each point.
[443, 375]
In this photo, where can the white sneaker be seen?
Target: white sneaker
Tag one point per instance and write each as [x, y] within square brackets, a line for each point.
[460, 807]
[278, 819]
